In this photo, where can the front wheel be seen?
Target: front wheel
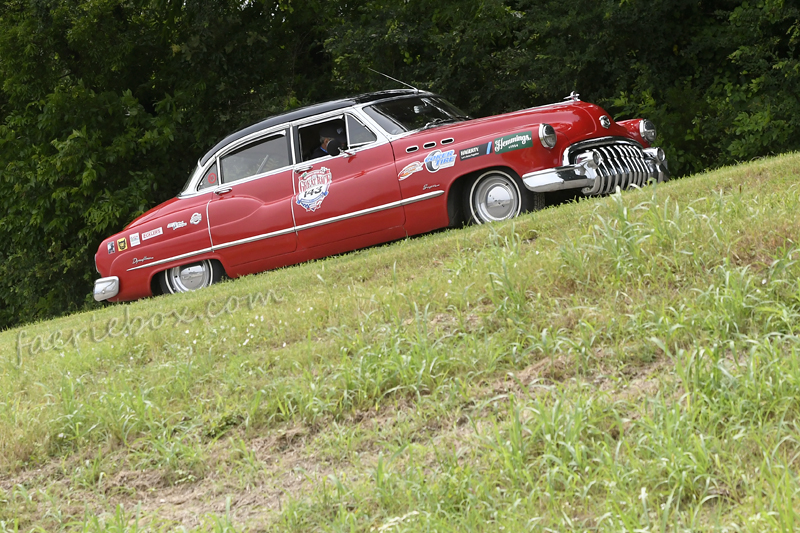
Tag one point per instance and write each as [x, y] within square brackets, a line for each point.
[186, 278]
[496, 195]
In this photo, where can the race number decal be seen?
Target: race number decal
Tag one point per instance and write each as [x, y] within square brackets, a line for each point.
[313, 188]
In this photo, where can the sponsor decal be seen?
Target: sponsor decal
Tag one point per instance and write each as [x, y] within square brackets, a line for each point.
[176, 225]
[313, 188]
[196, 219]
[122, 244]
[475, 151]
[426, 186]
[134, 237]
[437, 160]
[515, 141]
[152, 233]
[410, 169]
[142, 260]
[112, 248]
[212, 178]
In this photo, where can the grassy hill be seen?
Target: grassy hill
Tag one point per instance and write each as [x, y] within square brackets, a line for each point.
[628, 363]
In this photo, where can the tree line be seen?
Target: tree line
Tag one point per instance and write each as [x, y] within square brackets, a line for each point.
[105, 105]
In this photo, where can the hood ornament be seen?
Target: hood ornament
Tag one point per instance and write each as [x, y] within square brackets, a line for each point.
[575, 97]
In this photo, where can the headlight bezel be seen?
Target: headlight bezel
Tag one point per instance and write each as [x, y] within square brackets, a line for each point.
[548, 136]
[648, 131]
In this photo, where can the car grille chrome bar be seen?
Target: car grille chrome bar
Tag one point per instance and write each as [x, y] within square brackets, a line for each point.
[623, 165]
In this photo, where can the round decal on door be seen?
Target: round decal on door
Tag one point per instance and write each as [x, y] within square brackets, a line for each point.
[313, 188]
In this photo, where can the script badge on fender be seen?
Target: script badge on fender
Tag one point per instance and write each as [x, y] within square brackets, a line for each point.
[313, 188]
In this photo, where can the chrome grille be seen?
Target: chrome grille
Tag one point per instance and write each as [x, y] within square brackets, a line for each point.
[624, 164]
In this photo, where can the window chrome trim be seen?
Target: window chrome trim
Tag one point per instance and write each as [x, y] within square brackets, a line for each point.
[380, 135]
[323, 222]
[347, 131]
[283, 129]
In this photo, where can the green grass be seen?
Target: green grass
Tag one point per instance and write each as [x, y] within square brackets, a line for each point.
[629, 363]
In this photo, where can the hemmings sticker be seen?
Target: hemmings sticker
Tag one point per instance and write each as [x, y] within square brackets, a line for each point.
[475, 151]
[152, 233]
[196, 218]
[112, 248]
[410, 169]
[313, 188]
[514, 141]
[134, 239]
[438, 159]
[176, 225]
[122, 244]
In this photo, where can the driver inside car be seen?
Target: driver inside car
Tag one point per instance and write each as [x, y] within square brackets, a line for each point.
[330, 141]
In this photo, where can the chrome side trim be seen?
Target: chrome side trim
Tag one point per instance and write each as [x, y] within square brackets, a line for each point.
[323, 222]
[370, 210]
[175, 258]
[253, 239]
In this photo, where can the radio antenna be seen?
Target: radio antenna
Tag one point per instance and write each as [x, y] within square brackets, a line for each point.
[394, 79]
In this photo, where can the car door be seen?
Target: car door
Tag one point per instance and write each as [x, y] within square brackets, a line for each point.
[250, 212]
[347, 195]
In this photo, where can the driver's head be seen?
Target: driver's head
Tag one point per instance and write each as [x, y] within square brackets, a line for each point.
[327, 133]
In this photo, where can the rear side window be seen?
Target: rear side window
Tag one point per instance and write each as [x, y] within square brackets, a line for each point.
[259, 157]
[210, 179]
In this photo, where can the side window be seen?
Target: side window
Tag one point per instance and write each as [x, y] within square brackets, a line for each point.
[210, 179]
[261, 156]
[314, 138]
[358, 134]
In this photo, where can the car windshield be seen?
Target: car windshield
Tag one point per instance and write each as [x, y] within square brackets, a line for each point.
[414, 113]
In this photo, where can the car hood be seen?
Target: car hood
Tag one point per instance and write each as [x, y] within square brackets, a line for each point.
[576, 120]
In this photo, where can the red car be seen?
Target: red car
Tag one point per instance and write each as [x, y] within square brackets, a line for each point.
[352, 173]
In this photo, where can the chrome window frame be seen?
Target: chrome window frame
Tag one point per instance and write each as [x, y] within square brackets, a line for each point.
[393, 137]
[234, 147]
[357, 119]
[192, 191]
[382, 138]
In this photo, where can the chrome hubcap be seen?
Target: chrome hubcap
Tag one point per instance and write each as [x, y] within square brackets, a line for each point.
[496, 198]
[190, 277]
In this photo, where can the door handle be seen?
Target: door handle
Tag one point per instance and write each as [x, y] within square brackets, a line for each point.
[220, 192]
[303, 168]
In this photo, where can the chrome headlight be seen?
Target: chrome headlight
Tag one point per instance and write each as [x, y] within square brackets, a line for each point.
[647, 130]
[547, 134]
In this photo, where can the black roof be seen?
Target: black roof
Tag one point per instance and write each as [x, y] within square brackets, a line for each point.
[308, 111]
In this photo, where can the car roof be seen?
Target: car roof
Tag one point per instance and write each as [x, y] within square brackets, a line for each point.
[309, 111]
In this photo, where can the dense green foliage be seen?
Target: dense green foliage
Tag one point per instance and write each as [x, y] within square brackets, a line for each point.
[106, 104]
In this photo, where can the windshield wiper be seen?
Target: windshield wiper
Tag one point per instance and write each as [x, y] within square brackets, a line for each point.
[437, 121]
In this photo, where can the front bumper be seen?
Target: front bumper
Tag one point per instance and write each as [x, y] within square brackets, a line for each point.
[105, 288]
[599, 167]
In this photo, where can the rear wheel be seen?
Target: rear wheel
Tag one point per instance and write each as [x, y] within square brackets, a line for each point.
[186, 278]
[497, 195]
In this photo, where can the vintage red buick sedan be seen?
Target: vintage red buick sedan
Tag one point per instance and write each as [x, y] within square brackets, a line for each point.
[352, 173]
